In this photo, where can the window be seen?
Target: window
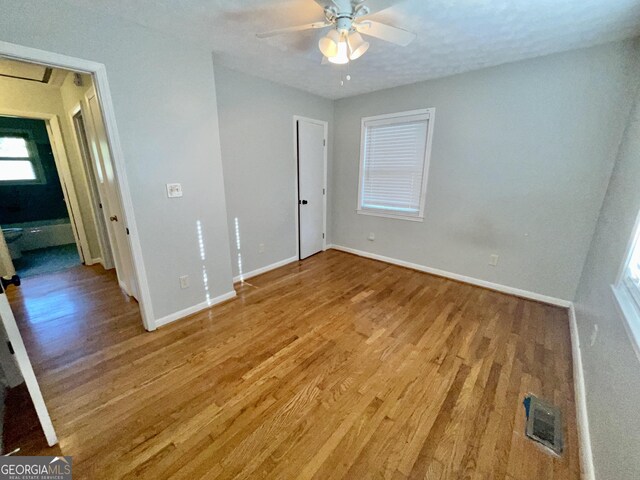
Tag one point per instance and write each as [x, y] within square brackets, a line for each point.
[394, 162]
[627, 290]
[19, 162]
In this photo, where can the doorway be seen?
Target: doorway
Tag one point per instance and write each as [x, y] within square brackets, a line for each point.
[47, 61]
[37, 215]
[311, 155]
[85, 302]
[84, 203]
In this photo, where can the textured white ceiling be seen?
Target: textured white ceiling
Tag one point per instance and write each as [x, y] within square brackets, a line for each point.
[453, 36]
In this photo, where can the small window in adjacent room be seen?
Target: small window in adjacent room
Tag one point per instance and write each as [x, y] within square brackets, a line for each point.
[19, 162]
[627, 290]
[394, 163]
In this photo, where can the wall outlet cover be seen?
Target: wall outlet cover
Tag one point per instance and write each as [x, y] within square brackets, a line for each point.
[174, 190]
[184, 281]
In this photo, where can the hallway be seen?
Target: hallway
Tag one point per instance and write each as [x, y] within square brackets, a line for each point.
[65, 319]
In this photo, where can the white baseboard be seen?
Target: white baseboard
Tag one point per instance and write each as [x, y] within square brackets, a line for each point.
[194, 309]
[461, 278]
[93, 261]
[261, 270]
[584, 437]
[123, 287]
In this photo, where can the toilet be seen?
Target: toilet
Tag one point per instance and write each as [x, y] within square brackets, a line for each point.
[12, 236]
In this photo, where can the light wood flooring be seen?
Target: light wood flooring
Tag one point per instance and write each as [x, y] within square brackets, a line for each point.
[334, 367]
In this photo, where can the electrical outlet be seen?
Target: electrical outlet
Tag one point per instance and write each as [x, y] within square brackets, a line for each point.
[174, 190]
[493, 260]
[261, 248]
[371, 237]
[184, 281]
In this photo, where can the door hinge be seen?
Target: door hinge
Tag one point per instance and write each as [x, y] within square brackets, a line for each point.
[127, 231]
[324, 142]
[11, 351]
[323, 235]
[323, 191]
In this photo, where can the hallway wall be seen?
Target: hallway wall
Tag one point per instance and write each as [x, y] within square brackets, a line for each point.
[39, 98]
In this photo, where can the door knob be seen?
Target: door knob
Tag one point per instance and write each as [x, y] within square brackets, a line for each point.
[303, 202]
[113, 218]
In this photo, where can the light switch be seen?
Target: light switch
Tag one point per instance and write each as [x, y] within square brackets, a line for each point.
[174, 190]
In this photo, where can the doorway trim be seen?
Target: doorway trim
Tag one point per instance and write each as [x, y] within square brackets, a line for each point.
[101, 84]
[64, 172]
[21, 357]
[325, 125]
[88, 178]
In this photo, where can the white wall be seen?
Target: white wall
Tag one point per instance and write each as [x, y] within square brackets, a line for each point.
[520, 162]
[611, 367]
[256, 132]
[165, 107]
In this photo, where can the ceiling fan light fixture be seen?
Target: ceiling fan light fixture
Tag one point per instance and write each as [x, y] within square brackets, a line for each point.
[357, 45]
[329, 44]
[342, 56]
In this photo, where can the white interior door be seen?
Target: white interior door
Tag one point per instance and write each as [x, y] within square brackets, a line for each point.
[106, 257]
[24, 364]
[311, 186]
[109, 195]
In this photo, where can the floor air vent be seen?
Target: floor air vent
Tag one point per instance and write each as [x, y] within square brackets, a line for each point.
[544, 423]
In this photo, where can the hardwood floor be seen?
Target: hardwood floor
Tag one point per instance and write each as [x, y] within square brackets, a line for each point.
[335, 367]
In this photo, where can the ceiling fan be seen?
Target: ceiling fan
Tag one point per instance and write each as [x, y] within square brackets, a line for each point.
[343, 42]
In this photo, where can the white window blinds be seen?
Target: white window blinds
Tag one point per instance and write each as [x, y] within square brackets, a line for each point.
[394, 162]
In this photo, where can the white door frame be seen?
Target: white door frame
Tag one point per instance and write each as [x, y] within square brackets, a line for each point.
[64, 173]
[325, 125]
[101, 84]
[121, 253]
[87, 173]
[26, 369]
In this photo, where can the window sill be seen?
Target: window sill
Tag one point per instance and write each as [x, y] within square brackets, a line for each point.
[374, 213]
[630, 314]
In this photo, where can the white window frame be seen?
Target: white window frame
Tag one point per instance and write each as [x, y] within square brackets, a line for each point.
[390, 118]
[33, 157]
[627, 294]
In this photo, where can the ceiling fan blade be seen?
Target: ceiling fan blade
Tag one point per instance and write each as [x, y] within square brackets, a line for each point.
[325, 61]
[297, 28]
[385, 32]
